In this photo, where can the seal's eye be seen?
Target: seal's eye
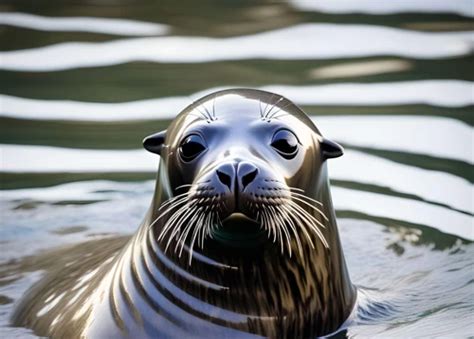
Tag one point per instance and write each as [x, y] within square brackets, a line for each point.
[191, 147]
[285, 143]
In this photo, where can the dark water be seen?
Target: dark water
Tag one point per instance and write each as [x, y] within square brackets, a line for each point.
[392, 83]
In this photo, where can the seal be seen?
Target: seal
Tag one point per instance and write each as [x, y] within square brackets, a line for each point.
[240, 240]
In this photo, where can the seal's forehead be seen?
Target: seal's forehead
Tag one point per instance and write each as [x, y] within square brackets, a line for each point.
[243, 104]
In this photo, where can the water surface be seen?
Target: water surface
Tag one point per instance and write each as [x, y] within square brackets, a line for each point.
[82, 84]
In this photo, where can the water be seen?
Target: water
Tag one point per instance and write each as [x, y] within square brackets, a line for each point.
[392, 83]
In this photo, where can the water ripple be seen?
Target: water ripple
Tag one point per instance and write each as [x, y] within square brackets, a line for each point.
[303, 41]
[435, 136]
[417, 212]
[125, 27]
[362, 168]
[40, 159]
[447, 93]
[461, 7]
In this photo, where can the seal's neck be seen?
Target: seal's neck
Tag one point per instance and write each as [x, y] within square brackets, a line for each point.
[258, 290]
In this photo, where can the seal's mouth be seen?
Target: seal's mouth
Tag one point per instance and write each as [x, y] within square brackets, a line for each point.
[268, 214]
[238, 230]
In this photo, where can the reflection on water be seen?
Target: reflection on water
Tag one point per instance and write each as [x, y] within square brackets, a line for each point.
[78, 95]
[443, 93]
[361, 69]
[84, 24]
[462, 7]
[292, 43]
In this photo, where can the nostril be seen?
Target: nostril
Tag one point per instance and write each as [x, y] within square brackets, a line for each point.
[248, 178]
[224, 178]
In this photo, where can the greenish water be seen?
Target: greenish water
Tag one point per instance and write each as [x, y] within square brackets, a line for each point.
[394, 88]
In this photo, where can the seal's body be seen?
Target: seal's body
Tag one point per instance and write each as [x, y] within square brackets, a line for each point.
[241, 238]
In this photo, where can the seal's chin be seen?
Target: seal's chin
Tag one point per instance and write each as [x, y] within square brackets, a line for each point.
[238, 230]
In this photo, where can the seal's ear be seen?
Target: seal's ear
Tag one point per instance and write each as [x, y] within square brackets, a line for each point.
[154, 143]
[331, 149]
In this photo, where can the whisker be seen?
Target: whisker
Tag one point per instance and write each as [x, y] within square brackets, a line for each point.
[206, 227]
[173, 218]
[284, 229]
[293, 215]
[209, 114]
[170, 208]
[266, 106]
[193, 239]
[308, 198]
[272, 108]
[202, 237]
[214, 222]
[278, 229]
[304, 215]
[281, 108]
[182, 238]
[168, 225]
[206, 117]
[267, 226]
[219, 221]
[312, 217]
[199, 116]
[280, 114]
[313, 207]
[281, 227]
[214, 107]
[293, 229]
[162, 214]
[185, 185]
[270, 225]
[172, 200]
[177, 229]
[309, 224]
[202, 233]
[296, 189]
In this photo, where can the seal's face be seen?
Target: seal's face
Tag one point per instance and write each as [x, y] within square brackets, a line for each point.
[239, 165]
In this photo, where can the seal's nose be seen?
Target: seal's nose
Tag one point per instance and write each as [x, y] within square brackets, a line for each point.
[246, 173]
[226, 173]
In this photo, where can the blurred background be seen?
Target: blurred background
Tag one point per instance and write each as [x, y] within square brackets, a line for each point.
[82, 82]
